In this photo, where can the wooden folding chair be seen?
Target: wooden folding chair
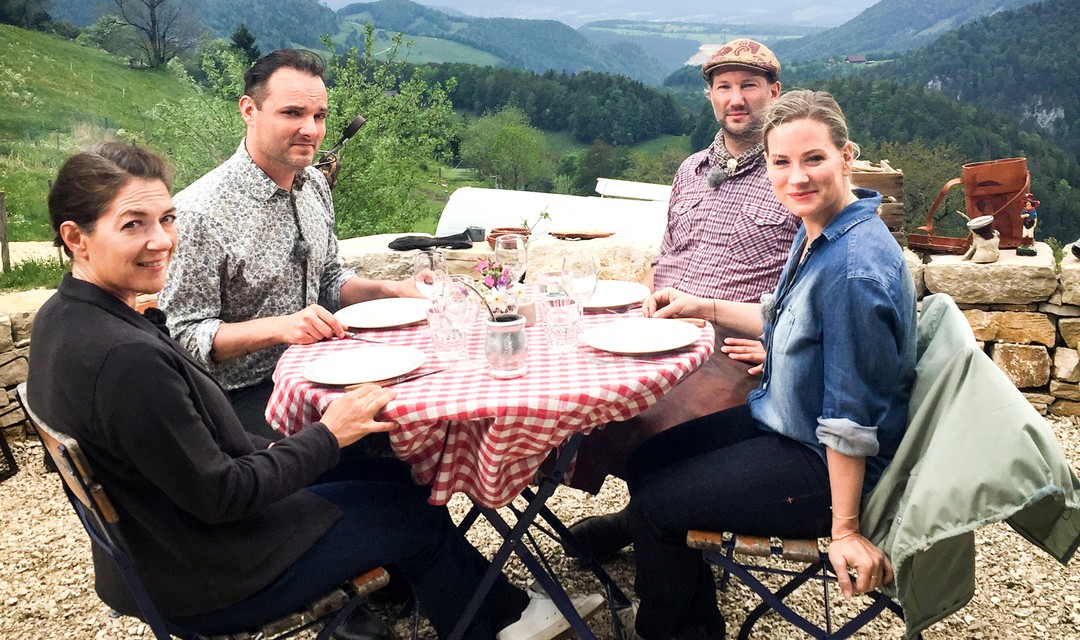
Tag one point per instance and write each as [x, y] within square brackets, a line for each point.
[100, 519]
[727, 552]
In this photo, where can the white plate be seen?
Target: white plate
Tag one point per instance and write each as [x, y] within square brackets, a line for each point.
[382, 313]
[610, 294]
[364, 364]
[641, 335]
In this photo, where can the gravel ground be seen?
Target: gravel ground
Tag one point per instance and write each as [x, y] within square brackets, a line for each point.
[46, 578]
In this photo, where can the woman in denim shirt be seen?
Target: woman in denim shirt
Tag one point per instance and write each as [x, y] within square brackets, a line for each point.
[832, 404]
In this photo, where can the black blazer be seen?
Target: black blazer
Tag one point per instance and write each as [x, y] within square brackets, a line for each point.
[210, 514]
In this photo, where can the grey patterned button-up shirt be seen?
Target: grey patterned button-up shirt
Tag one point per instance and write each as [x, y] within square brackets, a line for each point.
[236, 261]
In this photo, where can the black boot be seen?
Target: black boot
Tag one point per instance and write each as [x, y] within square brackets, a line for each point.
[363, 624]
[601, 537]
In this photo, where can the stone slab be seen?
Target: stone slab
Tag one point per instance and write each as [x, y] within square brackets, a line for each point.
[1065, 390]
[1011, 280]
[1070, 277]
[1066, 364]
[1026, 365]
[1069, 330]
[915, 266]
[1010, 326]
[620, 258]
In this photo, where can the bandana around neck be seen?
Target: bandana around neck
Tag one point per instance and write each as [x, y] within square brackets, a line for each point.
[724, 165]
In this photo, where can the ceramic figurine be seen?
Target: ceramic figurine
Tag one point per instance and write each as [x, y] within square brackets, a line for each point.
[1030, 216]
[984, 241]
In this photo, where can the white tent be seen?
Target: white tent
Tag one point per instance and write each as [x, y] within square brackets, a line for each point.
[490, 208]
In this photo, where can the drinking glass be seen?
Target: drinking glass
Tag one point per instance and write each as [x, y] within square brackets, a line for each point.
[561, 319]
[449, 342]
[511, 253]
[583, 275]
[559, 313]
[505, 345]
[429, 273]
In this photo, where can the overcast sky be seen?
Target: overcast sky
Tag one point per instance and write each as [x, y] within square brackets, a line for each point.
[575, 12]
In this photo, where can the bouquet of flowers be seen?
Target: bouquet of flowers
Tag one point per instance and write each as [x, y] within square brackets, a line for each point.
[497, 283]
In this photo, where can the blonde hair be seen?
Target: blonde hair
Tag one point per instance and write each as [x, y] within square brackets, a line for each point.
[818, 106]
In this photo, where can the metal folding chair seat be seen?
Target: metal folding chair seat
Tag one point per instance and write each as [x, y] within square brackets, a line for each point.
[100, 519]
[728, 551]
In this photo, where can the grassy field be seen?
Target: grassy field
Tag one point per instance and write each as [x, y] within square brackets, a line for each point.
[424, 49]
[57, 97]
[656, 145]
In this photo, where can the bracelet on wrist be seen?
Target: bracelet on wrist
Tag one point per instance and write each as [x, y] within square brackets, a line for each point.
[846, 534]
[854, 517]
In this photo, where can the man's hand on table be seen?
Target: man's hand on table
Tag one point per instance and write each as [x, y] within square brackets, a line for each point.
[672, 303]
[308, 325]
[351, 416]
[746, 350]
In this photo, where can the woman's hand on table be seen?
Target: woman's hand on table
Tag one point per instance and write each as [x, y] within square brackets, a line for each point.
[871, 567]
[308, 325]
[351, 416]
[746, 350]
[672, 303]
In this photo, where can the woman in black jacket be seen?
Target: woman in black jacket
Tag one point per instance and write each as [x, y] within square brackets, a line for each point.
[227, 530]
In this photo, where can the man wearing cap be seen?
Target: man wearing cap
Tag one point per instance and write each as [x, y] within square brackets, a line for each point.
[727, 238]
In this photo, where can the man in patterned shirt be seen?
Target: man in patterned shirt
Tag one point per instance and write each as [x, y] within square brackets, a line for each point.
[727, 238]
[257, 266]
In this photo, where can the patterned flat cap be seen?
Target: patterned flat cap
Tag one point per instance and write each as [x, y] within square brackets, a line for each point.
[743, 52]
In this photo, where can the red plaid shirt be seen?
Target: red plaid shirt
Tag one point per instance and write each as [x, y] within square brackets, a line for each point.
[728, 243]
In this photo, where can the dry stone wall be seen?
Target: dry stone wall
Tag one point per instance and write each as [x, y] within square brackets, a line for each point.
[1024, 311]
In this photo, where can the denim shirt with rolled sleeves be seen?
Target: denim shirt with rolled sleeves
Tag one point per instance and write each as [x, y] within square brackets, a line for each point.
[840, 334]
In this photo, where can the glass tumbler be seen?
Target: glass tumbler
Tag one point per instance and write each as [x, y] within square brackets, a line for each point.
[505, 346]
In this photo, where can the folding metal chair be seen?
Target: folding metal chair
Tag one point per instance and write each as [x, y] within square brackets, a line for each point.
[100, 519]
[721, 550]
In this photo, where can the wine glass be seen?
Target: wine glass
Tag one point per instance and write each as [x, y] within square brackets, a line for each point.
[583, 276]
[429, 273]
[510, 252]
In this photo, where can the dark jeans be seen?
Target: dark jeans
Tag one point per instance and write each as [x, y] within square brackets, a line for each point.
[250, 406]
[385, 521]
[721, 472]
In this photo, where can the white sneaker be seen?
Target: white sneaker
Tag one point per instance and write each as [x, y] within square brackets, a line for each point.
[541, 620]
[627, 618]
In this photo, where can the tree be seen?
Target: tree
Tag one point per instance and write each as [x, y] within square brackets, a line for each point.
[28, 14]
[505, 146]
[167, 27]
[244, 41]
[111, 34]
[409, 123]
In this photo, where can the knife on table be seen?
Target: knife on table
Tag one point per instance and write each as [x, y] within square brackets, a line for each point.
[398, 380]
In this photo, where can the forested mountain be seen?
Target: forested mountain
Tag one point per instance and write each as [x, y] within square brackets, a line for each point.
[536, 45]
[275, 23]
[590, 105]
[1036, 80]
[883, 113]
[895, 26]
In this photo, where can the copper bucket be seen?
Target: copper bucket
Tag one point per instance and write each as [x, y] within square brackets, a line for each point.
[992, 188]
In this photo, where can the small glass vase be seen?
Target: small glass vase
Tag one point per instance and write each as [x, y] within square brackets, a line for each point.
[505, 346]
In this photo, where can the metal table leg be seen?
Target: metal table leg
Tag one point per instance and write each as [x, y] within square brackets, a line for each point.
[513, 543]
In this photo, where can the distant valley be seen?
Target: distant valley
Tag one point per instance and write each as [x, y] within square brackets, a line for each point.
[575, 14]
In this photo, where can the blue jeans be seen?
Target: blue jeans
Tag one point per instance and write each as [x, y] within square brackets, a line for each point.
[385, 521]
[721, 472]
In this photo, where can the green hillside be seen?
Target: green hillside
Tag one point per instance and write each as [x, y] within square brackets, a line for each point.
[424, 49]
[56, 97]
[894, 26]
[533, 45]
[1034, 80]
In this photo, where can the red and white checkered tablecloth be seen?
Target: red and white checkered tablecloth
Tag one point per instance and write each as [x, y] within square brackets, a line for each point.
[462, 430]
